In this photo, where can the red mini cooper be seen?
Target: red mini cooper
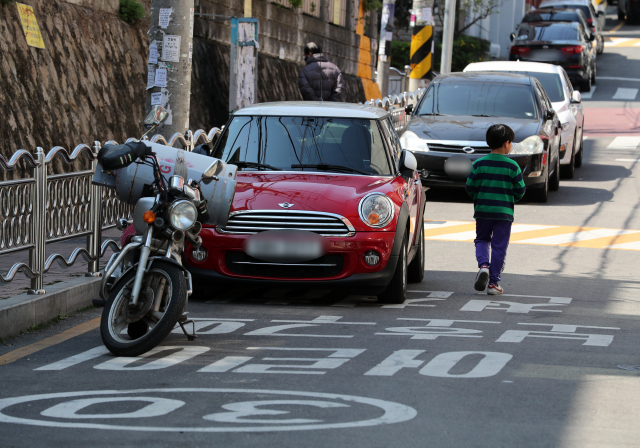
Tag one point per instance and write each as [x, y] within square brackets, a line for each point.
[326, 199]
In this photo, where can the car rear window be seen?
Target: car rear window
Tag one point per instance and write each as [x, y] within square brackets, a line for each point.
[584, 8]
[477, 98]
[551, 32]
[560, 16]
[550, 81]
[285, 141]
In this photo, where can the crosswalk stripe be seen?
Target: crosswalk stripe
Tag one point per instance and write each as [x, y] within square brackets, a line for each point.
[625, 94]
[588, 95]
[624, 143]
[621, 42]
[470, 235]
[571, 236]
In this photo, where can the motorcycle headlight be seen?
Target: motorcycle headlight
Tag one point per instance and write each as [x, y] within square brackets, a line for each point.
[528, 146]
[411, 142]
[376, 210]
[183, 215]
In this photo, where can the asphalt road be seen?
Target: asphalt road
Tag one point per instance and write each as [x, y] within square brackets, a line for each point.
[553, 363]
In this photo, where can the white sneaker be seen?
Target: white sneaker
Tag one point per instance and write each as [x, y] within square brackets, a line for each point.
[494, 290]
[482, 278]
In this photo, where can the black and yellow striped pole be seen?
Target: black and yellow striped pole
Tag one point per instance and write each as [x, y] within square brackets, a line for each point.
[421, 55]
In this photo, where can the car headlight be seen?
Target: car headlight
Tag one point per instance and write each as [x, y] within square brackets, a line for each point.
[410, 141]
[376, 210]
[528, 146]
[183, 215]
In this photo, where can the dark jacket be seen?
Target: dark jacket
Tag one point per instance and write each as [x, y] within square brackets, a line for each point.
[320, 79]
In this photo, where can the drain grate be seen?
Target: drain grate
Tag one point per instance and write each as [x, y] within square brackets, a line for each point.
[628, 367]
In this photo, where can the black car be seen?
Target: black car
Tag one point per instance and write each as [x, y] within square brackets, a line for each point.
[448, 128]
[557, 15]
[595, 20]
[565, 44]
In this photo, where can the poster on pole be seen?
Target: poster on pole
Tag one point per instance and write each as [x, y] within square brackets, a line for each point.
[153, 53]
[161, 78]
[164, 17]
[30, 26]
[171, 48]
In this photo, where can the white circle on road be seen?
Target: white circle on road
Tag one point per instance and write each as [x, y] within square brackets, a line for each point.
[393, 412]
[157, 406]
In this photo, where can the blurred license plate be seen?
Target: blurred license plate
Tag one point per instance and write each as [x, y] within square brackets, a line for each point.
[546, 55]
[286, 246]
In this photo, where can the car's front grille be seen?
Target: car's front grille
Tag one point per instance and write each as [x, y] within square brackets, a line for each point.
[443, 147]
[255, 221]
[324, 267]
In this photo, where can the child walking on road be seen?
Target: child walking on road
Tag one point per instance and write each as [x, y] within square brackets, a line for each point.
[495, 184]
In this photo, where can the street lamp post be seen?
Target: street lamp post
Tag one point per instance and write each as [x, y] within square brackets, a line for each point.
[447, 36]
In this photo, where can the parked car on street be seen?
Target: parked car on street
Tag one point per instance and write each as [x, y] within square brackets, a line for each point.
[557, 15]
[560, 43]
[326, 198]
[629, 10]
[448, 128]
[565, 101]
[595, 19]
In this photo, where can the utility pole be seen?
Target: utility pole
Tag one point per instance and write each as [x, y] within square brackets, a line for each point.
[447, 35]
[384, 50]
[170, 61]
[421, 44]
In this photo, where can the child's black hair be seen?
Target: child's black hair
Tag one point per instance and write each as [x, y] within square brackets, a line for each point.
[498, 134]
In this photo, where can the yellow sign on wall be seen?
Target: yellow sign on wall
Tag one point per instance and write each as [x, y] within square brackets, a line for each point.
[30, 26]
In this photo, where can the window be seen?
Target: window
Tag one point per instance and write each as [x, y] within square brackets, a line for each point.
[550, 81]
[547, 32]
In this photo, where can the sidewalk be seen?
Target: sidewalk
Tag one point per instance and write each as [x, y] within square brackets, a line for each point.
[56, 274]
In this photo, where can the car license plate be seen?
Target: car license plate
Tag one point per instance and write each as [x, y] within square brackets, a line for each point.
[546, 55]
[286, 246]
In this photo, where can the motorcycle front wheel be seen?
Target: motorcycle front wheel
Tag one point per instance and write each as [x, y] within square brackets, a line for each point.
[162, 278]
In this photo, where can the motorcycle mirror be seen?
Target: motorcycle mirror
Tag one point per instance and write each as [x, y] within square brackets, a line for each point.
[157, 116]
[212, 170]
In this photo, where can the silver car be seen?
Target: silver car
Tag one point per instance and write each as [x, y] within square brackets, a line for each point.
[565, 101]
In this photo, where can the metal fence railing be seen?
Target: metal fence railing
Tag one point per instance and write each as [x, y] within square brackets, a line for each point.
[46, 208]
[396, 104]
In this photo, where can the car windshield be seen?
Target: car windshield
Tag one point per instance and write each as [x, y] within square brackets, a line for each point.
[550, 81]
[488, 99]
[345, 145]
[551, 16]
[550, 32]
[584, 8]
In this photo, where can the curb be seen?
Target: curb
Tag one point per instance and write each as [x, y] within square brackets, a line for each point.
[19, 313]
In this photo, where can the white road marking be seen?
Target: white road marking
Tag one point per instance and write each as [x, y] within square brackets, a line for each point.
[560, 331]
[325, 320]
[225, 364]
[489, 365]
[630, 246]
[413, 302]
[617, 41]
[613, 78]
[624, 143]
[184, 353]
[577, 236]
[625, 94]
[238, 412]
[157, 407]
[392, 412]
[436, 328]
[332, 361]
[471, 235]
[398, 360]
[273, 331]
[509, 307]
[76, 359]
[588, 95]
[627, 160]
[441, 224]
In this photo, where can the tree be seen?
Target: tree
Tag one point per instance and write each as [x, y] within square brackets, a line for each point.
[475, 11]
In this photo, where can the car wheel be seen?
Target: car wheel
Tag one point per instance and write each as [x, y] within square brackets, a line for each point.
[415, 273]
[593, 73]
[542, 194]
[585, 86]
[620, 15]
[578, 162]
[568, 171]
[554, 180]
[396, 290]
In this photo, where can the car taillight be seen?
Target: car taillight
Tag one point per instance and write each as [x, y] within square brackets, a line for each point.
[576, 49]
[590, 21]
[519, 50]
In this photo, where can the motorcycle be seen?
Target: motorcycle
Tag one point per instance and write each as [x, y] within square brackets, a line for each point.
[145, 287]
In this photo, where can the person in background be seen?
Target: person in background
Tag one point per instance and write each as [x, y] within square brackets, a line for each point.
[495, 184]
[319, 80]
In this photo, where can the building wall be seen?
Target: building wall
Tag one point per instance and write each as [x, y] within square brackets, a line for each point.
[498, 26]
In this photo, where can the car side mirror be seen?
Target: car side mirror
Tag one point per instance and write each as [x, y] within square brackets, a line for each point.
[409, 109]
[512, 36]
[408, 164]
[550, 114]
[576, 97]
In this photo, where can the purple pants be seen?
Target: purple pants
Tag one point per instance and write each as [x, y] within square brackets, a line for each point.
[492, 240]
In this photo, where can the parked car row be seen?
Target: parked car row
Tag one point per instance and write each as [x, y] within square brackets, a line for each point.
[562, 32]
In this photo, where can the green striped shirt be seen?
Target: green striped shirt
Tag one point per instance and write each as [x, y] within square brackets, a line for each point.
[495, 184]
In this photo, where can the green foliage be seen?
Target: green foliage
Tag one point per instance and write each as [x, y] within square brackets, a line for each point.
[372, 5]
[6, 2]
[131, 11]
[296, 3]
[313, 7]
[400, 54]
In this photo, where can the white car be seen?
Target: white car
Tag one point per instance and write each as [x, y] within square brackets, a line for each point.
[566, 102]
